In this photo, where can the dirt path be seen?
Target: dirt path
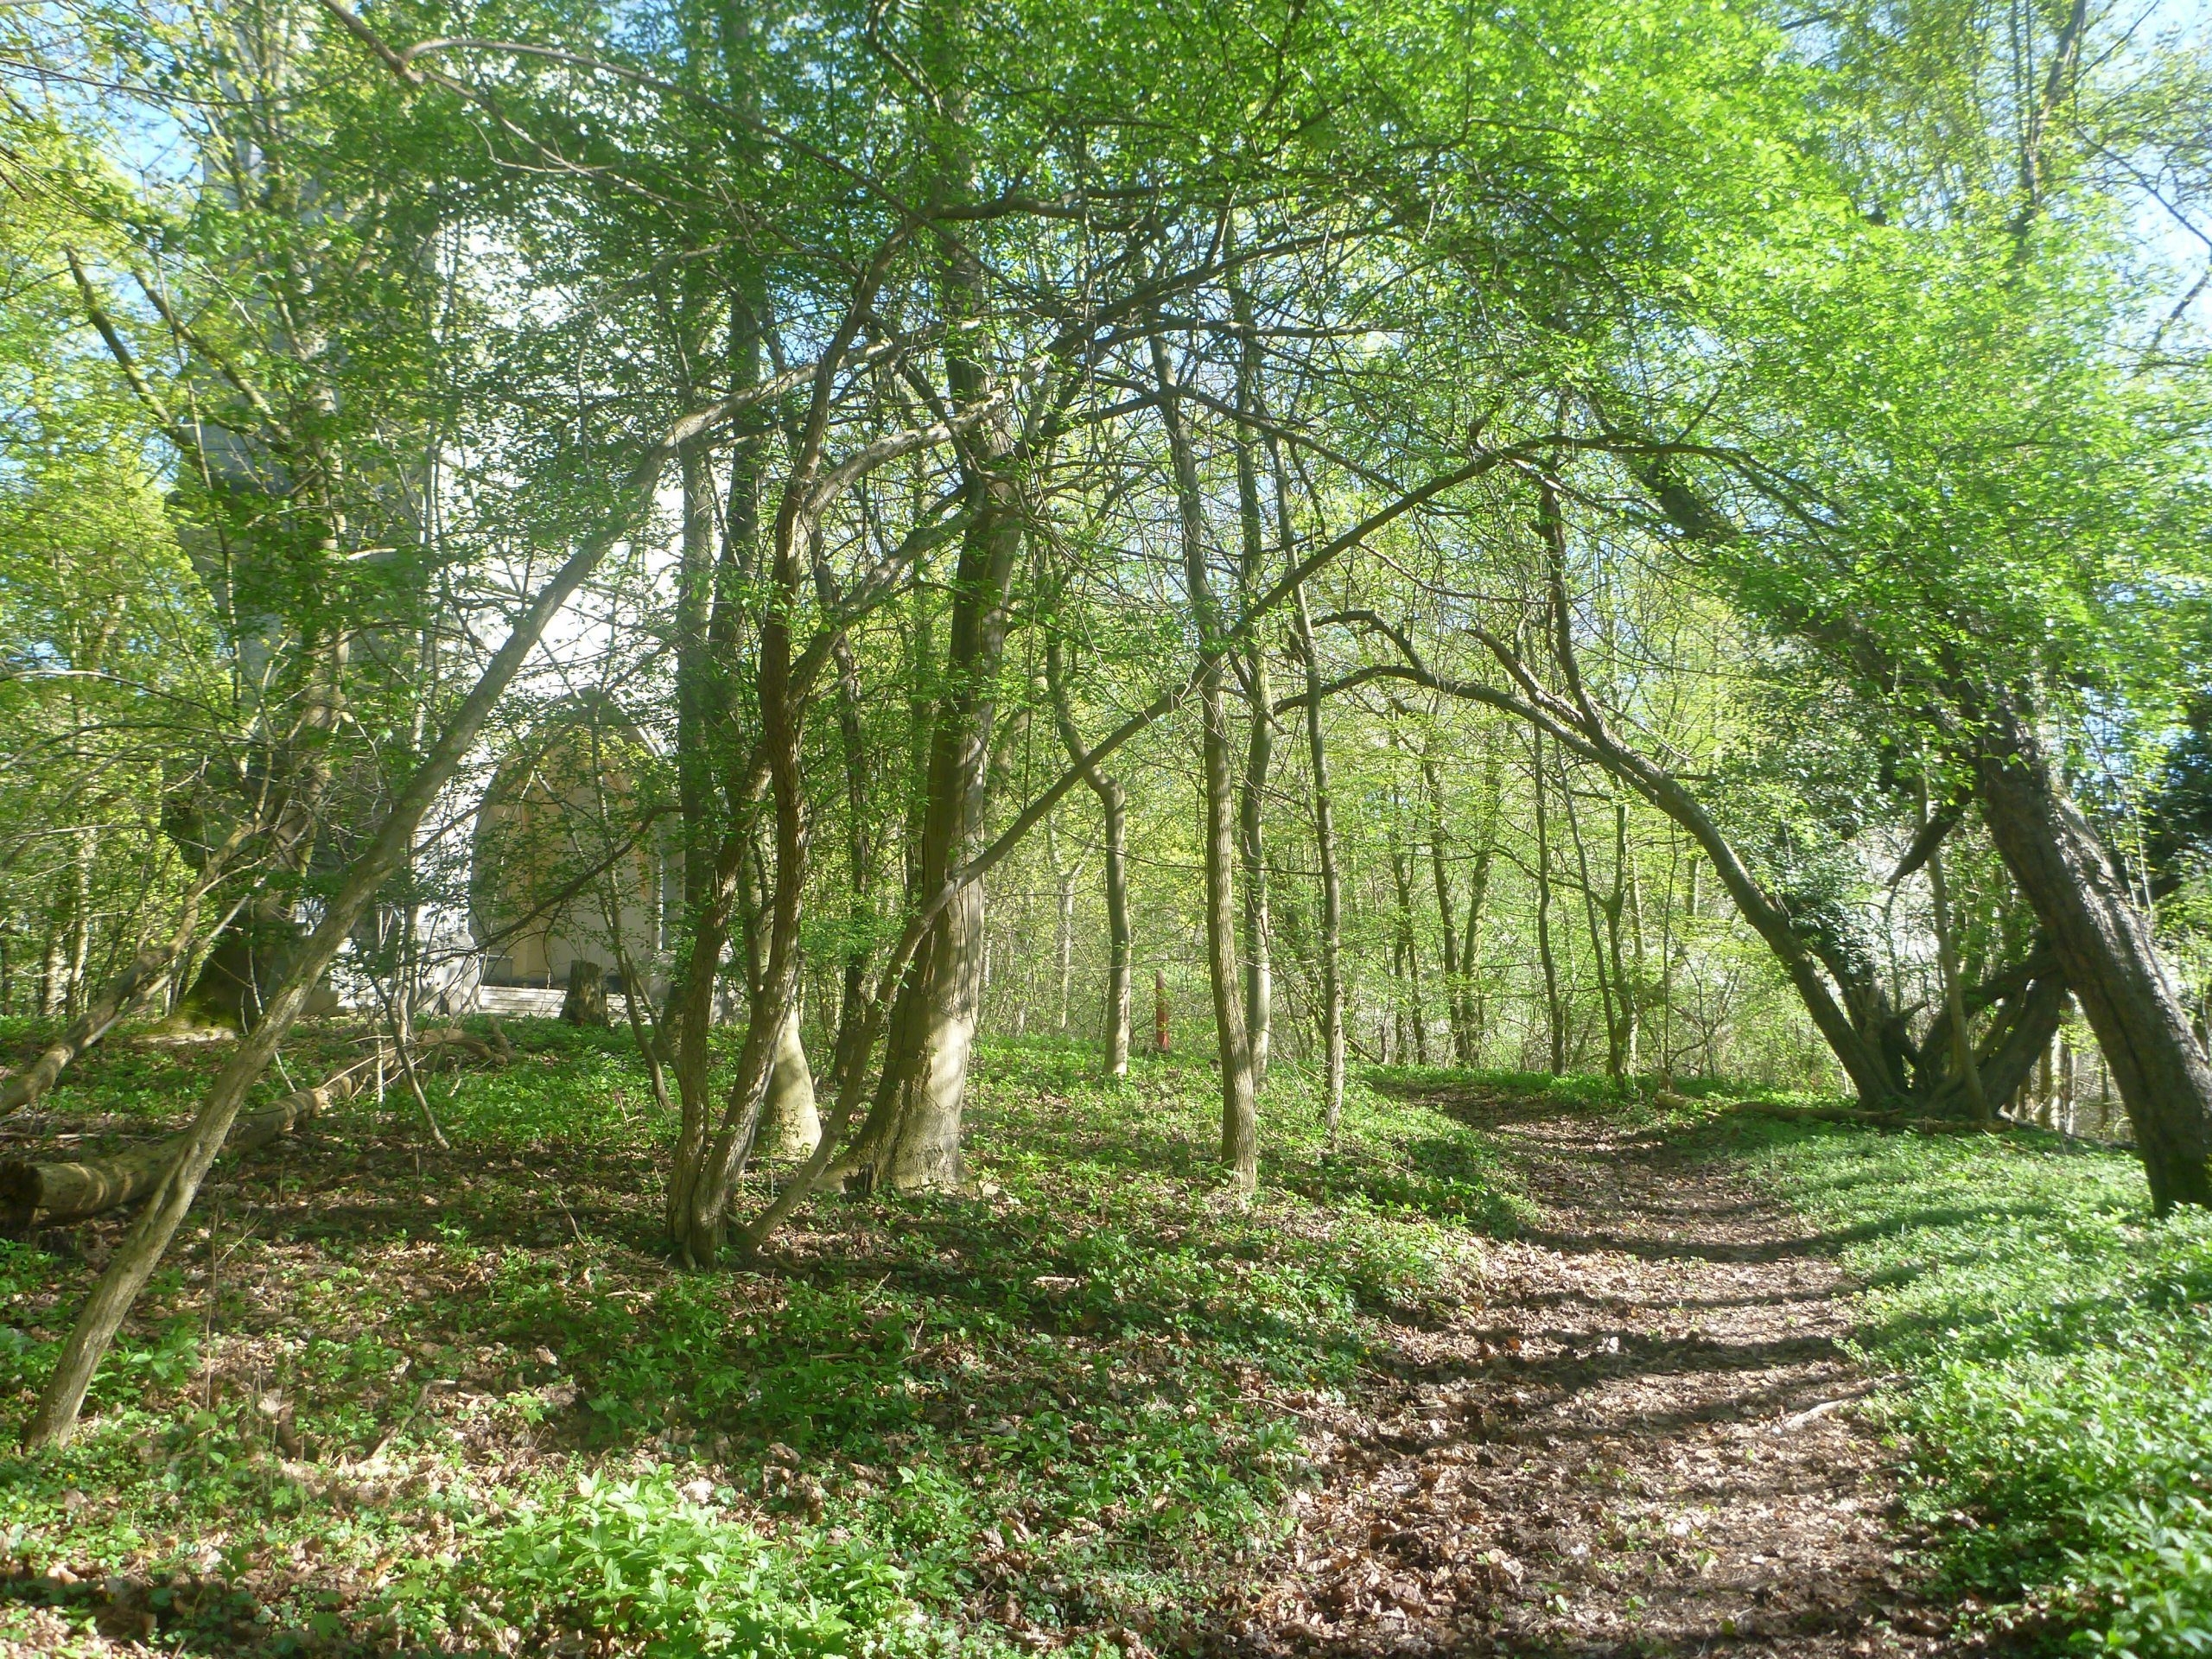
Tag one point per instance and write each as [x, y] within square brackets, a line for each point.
[1638, 1441]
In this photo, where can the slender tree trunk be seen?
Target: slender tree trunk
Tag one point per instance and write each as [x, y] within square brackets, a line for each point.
[1555, 1016]
[709, 580]
[768, 1028]
[860, 864]
[1259, 964]
[1325, 836]
[1455, 1007]
[1615, 1048]
[1118, 938]
[2105, 951]
[1114, 807]
[1947, 962]
[1251, 805]
[1063, 878]
[1239, 1106]
[1471, 946]
[1408, 952]
[1628, 897]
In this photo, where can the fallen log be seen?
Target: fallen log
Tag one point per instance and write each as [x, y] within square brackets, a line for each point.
[66, 1189]
[1860, 1114]
[451, 1045]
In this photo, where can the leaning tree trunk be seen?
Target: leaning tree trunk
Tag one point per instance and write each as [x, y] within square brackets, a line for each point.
[2104, 951]
[142, 1249]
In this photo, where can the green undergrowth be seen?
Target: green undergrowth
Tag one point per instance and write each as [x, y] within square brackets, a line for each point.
[382, 1395]
[2053, 1344]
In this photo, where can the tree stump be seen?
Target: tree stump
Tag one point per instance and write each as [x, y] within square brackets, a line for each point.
[586, 1002]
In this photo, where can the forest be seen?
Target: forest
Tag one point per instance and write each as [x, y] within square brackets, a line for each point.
[1291, 827]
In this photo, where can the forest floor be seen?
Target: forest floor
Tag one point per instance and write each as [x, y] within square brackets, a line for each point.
[1517, 1365]
[1636, 1435]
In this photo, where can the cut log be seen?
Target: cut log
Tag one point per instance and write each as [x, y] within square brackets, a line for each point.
[73, 1189]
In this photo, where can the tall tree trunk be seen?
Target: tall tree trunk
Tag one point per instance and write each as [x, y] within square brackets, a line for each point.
[1408, 952]
[1470, 945]
[1627, 902]
[860, 865]
[1251, 846]
[1615, 1048]
[1217, 837]
[1251, 805]
[1325, 836]
[710, 578]
[2104, 951]
[1113, 806]
[1455, 992]
[911, 1139]
[1555, 1014]
[1118, 938]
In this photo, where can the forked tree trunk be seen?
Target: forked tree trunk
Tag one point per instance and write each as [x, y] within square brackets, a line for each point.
[2106, 953]
[1954, 1006]
[2103, 945]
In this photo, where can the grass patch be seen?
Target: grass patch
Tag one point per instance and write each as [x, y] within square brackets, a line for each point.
[2055, 1343]
[381, 1396]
